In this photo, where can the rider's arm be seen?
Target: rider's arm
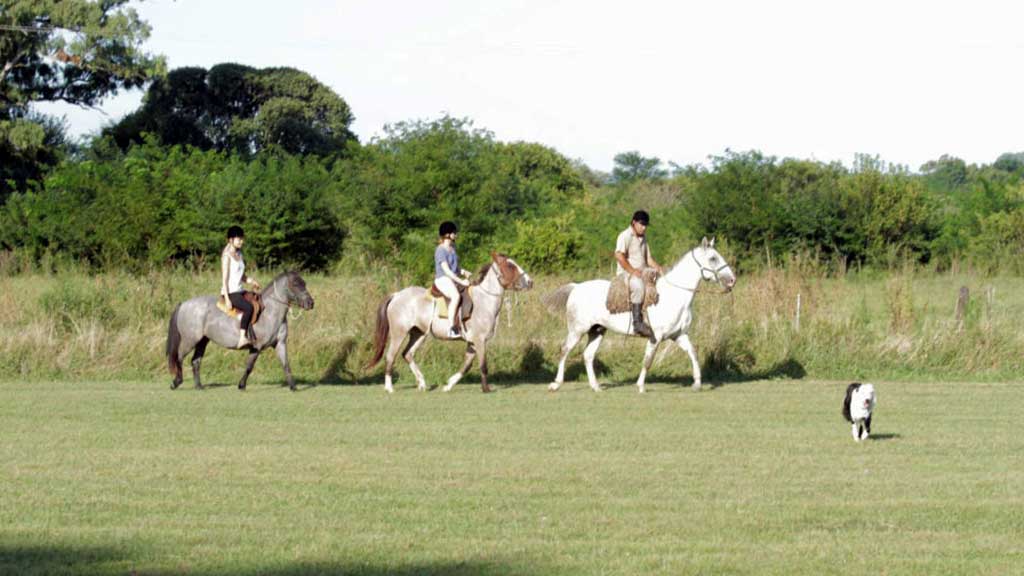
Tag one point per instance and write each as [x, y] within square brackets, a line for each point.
[653, 263]
[621, 257]
[448, 272]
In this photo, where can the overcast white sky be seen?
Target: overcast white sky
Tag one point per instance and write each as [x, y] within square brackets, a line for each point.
[906, 80]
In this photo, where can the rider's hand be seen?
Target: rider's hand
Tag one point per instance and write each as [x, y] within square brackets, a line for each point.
[637, 273]
[256, 285]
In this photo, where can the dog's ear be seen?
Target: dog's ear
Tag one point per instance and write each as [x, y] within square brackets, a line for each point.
[846, 401]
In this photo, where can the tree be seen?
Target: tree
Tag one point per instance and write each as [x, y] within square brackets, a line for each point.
[241, 109]
[1010, 162]
[632, 166]
[75, 51]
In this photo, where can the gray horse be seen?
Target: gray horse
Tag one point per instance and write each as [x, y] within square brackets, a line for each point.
[197, 321]
[412, 312]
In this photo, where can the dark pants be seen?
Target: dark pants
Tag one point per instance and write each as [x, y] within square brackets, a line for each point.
[238, 301]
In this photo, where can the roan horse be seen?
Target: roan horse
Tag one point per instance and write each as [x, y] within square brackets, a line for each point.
[410, 311]
[586, 313]
[197, 321]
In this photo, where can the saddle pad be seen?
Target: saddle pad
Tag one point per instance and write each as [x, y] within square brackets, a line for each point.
[618, 293]
[442, 302]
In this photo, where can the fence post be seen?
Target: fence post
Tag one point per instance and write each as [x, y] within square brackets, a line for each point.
[797, 325]
[963, 298]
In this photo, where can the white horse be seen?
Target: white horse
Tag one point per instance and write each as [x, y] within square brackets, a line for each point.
[586, 312]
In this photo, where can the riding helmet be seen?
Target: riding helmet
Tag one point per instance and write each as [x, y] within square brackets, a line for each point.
[447, 228]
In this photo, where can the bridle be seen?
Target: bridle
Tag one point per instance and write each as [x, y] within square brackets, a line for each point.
[715, 274]
[703, 269]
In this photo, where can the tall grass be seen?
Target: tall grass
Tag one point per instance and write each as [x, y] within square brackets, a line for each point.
[791, 322]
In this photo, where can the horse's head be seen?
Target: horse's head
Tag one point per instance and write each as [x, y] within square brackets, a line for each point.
[713, 267]
[294, 288]
[511, 275]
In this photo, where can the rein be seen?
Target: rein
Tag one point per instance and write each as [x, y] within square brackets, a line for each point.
[268, 297]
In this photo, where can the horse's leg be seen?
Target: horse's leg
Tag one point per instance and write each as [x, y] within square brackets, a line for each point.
[482, 352]
[416, 339]
[197, 359]
[389, 358]
[588, 357]
[470, 352]
[571, 339]
[684, 342]
[282, 354]
[250, 362]
[648, 358]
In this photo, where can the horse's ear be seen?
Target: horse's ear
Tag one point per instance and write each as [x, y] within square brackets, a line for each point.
[704, 242]
[497, 257]
[712, 242]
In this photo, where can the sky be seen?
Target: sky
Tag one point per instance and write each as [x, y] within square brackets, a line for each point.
[907, 81]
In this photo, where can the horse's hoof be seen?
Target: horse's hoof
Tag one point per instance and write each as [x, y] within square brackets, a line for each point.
[200, 387]
[174, 385]
[241, 387]
[696, 386]
[554, 386]
[485, 389]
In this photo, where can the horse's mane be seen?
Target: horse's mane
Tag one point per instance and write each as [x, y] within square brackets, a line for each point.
[482, 273]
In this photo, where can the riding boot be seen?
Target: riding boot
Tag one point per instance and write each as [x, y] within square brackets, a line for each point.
[639, 326]
[454, 331]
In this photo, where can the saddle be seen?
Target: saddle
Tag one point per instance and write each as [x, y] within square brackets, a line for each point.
[618, 293]
[465, 302]
[253, 298]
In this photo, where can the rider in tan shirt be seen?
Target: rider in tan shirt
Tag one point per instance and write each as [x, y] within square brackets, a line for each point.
[634, 256]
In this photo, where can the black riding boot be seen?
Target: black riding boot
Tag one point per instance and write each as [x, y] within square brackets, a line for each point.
[639, 326]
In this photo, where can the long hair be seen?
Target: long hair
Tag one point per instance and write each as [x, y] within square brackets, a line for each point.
[173, 344]
[383, 329]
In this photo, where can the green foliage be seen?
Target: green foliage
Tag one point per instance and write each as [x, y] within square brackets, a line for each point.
[632, 166]
[394, 192]
[74, 51]
[546, 245]
[240, 109]
[156, 205]
[73, 304]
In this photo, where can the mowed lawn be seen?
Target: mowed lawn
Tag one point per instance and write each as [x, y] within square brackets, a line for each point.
[748, 478]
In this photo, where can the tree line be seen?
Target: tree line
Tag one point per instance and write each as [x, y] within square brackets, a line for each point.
[272, 150]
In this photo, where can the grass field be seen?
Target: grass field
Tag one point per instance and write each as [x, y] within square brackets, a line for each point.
[760, 477]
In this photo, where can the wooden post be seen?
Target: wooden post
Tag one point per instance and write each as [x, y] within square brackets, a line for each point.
[962, 300]
[797, 324]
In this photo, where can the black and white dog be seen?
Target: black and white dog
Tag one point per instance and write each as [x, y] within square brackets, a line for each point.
[857, 407]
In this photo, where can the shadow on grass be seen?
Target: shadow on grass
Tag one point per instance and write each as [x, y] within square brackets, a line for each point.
[883, 437]
[42, 559]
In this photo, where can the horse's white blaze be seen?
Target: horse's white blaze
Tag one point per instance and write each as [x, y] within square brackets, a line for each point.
[670, 318]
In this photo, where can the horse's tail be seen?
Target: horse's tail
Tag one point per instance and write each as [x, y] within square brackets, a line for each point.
[383, 329]
[173, 343]
[556, 301]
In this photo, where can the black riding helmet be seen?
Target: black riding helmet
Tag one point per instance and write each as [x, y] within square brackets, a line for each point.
[235, 232]
[447, 228]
